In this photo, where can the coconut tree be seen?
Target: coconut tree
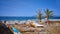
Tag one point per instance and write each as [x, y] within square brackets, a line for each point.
[39, 15]
[48, 13]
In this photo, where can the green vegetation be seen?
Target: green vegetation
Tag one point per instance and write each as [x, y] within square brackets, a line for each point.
[48, 13]
[39, 15]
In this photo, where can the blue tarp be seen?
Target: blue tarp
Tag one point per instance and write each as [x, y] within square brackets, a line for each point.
[14, 29]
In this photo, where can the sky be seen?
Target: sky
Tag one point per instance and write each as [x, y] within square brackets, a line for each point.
[28, 7]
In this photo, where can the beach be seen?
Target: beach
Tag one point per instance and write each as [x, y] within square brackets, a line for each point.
[32, 25]
[29, 16]
[35, 27]
[49, 29]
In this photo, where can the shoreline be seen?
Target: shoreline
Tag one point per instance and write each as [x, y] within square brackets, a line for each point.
[32, 20]
[28, 20]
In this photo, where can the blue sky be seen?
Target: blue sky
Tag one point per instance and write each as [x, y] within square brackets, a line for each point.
[28, 7]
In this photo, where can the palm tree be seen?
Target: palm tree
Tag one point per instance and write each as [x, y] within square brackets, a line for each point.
[39, 15]
[48, 13]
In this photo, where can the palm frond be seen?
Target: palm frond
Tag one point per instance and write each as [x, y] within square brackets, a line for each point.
[48, 13]
[39, 15]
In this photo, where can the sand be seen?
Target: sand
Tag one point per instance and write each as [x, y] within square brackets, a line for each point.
[48, 29]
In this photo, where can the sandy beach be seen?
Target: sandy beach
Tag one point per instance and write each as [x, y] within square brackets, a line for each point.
[29, 16]
[30, 27]
[51, 28]
[48, 29]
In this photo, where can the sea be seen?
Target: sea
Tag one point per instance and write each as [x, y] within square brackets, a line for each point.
[24, 18]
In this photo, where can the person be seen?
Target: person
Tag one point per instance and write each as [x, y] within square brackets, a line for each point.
[4, 29]
[5, 25]
[46, 20]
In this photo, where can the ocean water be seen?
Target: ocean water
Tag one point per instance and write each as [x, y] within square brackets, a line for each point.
[17, 18]
[23, 18]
